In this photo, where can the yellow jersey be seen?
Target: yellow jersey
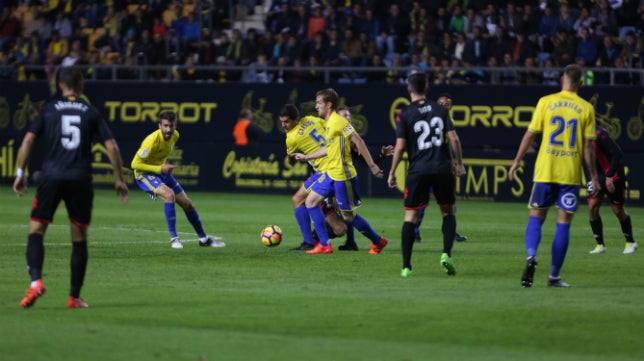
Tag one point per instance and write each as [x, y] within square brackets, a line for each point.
[338, 148]
[152, 153]
[306, 138]
[565, 121]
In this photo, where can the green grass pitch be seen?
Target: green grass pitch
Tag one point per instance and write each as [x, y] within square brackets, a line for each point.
[248, 302]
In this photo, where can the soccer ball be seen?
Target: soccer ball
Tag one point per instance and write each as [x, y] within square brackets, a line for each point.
[271, 235]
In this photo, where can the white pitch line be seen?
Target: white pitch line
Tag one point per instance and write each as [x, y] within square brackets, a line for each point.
[66, 226]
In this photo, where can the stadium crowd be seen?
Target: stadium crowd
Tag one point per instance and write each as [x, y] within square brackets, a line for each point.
[455, 41]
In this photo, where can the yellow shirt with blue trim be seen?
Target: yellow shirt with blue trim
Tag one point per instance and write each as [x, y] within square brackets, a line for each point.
[153, 153]
[338, 148]
[307, 137]
[565, 121]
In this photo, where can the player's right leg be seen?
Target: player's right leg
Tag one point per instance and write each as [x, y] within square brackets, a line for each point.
[79, 201]
[302, 217]
[596, 224]
[320, 190]
[45, 204]
[153, 185]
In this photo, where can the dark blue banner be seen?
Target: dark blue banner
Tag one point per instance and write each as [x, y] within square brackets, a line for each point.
[490, 121]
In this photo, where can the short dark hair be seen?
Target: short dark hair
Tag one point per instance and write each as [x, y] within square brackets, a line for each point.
[72, 78]
[290, 111]
[446, 95]
[168, 115]
[417, 83]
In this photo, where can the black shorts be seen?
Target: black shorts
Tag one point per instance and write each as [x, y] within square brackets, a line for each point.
[617, 197]
[417, 188]
[77, 194]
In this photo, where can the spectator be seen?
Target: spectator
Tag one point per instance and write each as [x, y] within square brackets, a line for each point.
[459, 46]
[529, 75]
[565, 20]
[509, 75]
[63, 26]
[622, 76]
[447, 46]
[563, 48]
[250, 47]
[523, 48]
[587, 48]
[511, 20]
[370, 24]
[75, 56]
[549, 75]
[605, 16]
[284, 21]
[397, 27]
[367, 48]
[530, 20]
[396, 74]
[632, 50]
[472, 20]
[491, 18]
[583, 21]
[333, 52]
[316, 22]
[609, 51]
[301, 21]
[548, 23]
[57, 47]
[351, 48]
[9, 28]
[499, 44]
[419, 19]
[457, 21]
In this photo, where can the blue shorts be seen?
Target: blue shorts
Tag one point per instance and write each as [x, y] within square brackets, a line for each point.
[311, 180]
[149, 182]
[346, 192]
[545, 195]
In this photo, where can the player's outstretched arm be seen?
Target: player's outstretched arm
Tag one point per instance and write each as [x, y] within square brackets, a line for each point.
[20, 183]
[114, 154]
[362, 149]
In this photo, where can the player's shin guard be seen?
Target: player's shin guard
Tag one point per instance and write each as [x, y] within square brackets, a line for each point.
[364, 227]
[533, 236]
[407, 243]
[78, 267]
[559, 248]
[304, 222]
[35, 256]
[598, 230]
[449, 230]
[171, 218]
[319, 223]
[193, 218]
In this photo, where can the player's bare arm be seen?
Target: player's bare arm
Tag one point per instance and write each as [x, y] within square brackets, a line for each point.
[361, 146]
[114, 154]
[401, 144]
[315, 155]
[457, 153]
[167, 168]
[20, 183]
[527, 140]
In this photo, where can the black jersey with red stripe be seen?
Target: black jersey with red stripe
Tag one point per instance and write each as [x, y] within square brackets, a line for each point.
[609, 155]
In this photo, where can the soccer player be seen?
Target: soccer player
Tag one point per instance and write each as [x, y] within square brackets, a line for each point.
[306, 135]
[69, 125]
[445, 100]
[154, 176]
[377, 154]
[612, 178]
[424, 129]
[340, 178]
[567, 124]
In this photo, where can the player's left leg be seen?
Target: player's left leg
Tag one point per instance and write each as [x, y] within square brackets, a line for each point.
[79, 198]
[348, 199]
[567, 200]
[618, 198]
[193, 217]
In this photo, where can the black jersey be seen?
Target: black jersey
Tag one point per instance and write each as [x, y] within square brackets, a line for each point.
[608, 155]
[424, 124]
[70, 125]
